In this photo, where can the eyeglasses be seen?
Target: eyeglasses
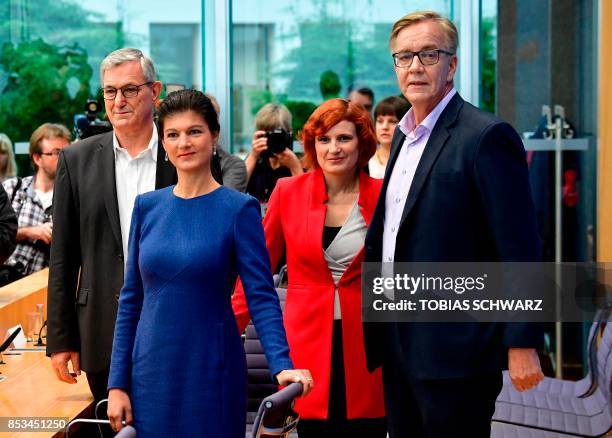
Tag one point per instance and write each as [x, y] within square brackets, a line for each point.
[128, 91]
[427, 57]
[54, 152]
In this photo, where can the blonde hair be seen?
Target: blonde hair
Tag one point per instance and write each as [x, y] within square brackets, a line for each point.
[271, 116]
[451, 36]
[11, 167]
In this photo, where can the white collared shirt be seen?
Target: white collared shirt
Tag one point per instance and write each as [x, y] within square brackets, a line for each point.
[133, 176]
[404, 170]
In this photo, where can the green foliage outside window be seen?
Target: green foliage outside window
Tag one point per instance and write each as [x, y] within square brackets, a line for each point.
[46, 83]
[50, 51]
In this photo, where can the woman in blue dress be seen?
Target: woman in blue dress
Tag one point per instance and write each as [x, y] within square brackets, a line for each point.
[178, 366]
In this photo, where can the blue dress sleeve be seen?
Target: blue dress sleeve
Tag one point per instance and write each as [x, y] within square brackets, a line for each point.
[253, 265]
[130, 305]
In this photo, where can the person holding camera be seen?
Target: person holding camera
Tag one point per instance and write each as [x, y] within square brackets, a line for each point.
[271, 155]
[31, 198]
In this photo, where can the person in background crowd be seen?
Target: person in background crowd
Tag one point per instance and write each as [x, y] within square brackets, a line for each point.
[264, 168]
[8, 227]
[319, 221]
[456, 190]
[387, 114]
[32, 199]
[97, 181]
[187, 245]
[363, 96]
[227, 169]
[8, 167]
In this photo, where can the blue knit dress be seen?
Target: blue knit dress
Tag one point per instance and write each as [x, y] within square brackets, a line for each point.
[177, 350]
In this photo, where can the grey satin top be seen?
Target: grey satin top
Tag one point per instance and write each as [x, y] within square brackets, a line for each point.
[343, 249]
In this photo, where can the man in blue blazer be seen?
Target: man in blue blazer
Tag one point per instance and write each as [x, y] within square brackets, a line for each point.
[455, 190]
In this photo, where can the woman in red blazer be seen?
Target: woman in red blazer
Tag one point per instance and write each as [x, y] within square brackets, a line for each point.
[319, 220]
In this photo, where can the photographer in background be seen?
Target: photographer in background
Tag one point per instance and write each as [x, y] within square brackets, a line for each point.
[31, 198]
[271, 155]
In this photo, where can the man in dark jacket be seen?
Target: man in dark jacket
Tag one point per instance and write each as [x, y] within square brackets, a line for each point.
[456, 189]
[96, 184]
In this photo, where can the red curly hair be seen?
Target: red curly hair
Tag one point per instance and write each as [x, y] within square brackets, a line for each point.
[329, 114]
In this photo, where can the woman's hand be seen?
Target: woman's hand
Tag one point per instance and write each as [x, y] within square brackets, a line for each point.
[288, 159]
[259, 144]
[119, 408]
[287, 377]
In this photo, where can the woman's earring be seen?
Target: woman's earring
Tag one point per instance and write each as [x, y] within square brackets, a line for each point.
[166, 156]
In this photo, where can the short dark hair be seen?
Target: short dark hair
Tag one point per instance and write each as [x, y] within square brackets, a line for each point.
[182, 101]
[366, 91]
[396, 106]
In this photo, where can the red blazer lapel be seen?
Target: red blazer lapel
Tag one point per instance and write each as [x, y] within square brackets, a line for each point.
[317, 210]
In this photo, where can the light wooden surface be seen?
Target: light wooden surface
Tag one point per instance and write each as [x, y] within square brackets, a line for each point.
[21, 297]
[32, 390]
[604, 140]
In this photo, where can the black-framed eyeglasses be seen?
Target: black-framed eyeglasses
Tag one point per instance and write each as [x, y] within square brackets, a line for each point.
[54, 152]
[427, 57]
[128, 91]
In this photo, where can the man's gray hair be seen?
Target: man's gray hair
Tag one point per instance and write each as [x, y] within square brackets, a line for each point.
[128, 54]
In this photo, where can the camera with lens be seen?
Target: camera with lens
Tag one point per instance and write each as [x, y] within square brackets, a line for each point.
[278, 141]
[88, 123]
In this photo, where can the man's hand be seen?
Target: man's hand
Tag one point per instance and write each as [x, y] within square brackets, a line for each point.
[39, 232]
[119, 408]
[524, 368]
[59, 362]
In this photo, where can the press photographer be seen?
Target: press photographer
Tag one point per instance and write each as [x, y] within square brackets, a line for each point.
[31, 198]
[89, 124]
[271, 155]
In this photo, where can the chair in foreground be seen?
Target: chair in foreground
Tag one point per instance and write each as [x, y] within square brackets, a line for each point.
[276, 417]
[580, 388]
[589, 415]
[126, 432]
[504, 430]
[259, 383]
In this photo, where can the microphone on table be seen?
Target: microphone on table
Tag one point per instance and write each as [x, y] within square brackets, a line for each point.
[8, 341]
[40, 343]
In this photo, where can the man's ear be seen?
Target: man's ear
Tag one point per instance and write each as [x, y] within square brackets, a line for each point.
[454, 60]
[37, 158]
[157, 89]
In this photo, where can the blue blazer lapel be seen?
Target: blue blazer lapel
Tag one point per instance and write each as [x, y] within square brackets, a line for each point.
[435, 144]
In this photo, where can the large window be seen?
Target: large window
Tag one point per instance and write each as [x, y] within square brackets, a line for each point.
[51, 52]
[303, 52]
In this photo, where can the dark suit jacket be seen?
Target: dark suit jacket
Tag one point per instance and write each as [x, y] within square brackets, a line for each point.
[86, 264]
[470, 200]
[8, 226]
